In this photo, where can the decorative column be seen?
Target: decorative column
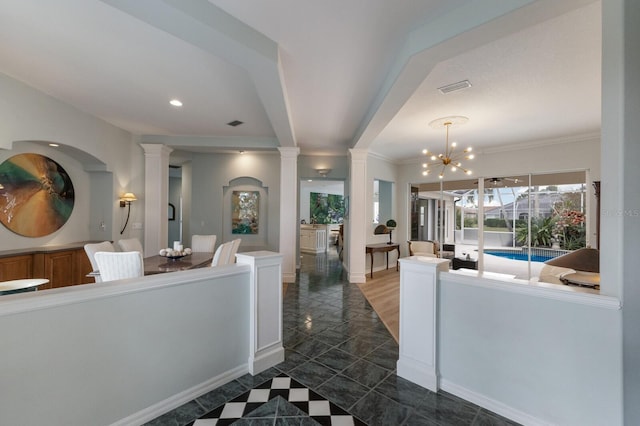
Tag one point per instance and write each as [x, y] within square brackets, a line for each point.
[265, 322]
[288, 211]
[418, 361]
[156, 197]
[357, 236]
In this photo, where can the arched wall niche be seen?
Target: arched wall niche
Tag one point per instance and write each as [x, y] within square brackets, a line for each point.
[250, 241]
[93, 213]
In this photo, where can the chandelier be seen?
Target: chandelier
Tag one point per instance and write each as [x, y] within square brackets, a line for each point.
[451, 158]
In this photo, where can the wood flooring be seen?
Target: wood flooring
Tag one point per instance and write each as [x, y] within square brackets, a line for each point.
[383, 293]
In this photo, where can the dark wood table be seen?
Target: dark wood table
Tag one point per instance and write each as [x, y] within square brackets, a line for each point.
[383, 248]
[159, 264]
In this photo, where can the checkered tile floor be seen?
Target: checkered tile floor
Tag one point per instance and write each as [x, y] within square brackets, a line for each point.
[280, 397]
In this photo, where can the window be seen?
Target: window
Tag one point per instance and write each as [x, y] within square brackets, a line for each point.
[514, 223]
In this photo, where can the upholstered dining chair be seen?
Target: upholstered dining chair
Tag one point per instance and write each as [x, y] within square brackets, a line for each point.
[234, 250]
[92, 248]
[223, 254]
[203, 243]
[119, 265]
[130, 244]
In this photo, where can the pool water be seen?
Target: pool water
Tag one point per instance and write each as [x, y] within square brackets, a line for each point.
[518, 256]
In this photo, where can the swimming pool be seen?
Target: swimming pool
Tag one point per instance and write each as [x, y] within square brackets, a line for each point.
[518, 256]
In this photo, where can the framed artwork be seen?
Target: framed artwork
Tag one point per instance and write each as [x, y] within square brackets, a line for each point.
[36, 195]
[326, 208]
[245, 209]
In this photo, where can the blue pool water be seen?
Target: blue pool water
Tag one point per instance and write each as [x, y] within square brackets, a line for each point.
[518, 256]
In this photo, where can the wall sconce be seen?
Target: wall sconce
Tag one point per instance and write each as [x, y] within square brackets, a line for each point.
[125, 201]
[323, 172]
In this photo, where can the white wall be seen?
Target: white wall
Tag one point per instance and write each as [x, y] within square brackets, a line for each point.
[558, 361]
[97, 354]
[88, 145]
[379, 168]
[211, 173]
[309, 164]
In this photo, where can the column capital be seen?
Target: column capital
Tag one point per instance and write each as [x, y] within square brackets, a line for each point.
[289, 151]
[358, 154]
[156, 149]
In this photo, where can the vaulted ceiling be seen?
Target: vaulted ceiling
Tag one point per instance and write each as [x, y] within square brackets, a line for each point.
[324, 76]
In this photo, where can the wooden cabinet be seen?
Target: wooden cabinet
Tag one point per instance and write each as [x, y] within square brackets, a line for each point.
[63, 267]
[83, 267]
[16, 267]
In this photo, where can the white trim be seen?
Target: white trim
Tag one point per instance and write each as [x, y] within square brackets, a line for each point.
[32, 301]
[175, 401]
[491, 404]
[547, 291]
[541, 143]
[266, 358]
[357, 278]
[289, 277]
[417, 372]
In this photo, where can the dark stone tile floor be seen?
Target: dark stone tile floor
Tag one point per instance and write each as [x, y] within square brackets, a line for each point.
[336, 345]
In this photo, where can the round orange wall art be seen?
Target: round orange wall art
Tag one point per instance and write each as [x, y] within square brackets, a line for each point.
[36, 195]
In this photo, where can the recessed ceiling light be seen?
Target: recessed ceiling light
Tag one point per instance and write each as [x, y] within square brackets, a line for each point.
[241, 152]
[235, 123]
[55, 145]
[175, 103]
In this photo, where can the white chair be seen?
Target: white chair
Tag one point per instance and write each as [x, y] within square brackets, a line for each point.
[234, 250]
[119, 265]
[92, 248]
[130, 244]
[221, 256]
[203, 243]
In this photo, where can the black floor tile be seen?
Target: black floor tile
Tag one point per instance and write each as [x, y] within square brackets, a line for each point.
[336, 359]
[343, 391]
[337, 347]
[377, 409]
[312, 374]
[366, 373]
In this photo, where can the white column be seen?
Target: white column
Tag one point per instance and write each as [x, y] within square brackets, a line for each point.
[357, 231]
[288, 211]
[156, 197]
[418, 361]
[265, 323]
[620, 211]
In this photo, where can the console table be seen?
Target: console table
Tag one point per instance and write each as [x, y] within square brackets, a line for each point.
[384, 248]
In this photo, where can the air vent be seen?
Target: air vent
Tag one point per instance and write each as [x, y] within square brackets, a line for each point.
[234, 123]
[464, 84]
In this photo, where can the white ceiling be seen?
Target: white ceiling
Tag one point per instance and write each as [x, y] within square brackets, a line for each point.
[324, 76]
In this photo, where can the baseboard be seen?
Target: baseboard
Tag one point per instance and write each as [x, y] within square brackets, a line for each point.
[288, 277]
[417, 373]
[175, 401]
[357, 278]
[266, 359]
[492, 405]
